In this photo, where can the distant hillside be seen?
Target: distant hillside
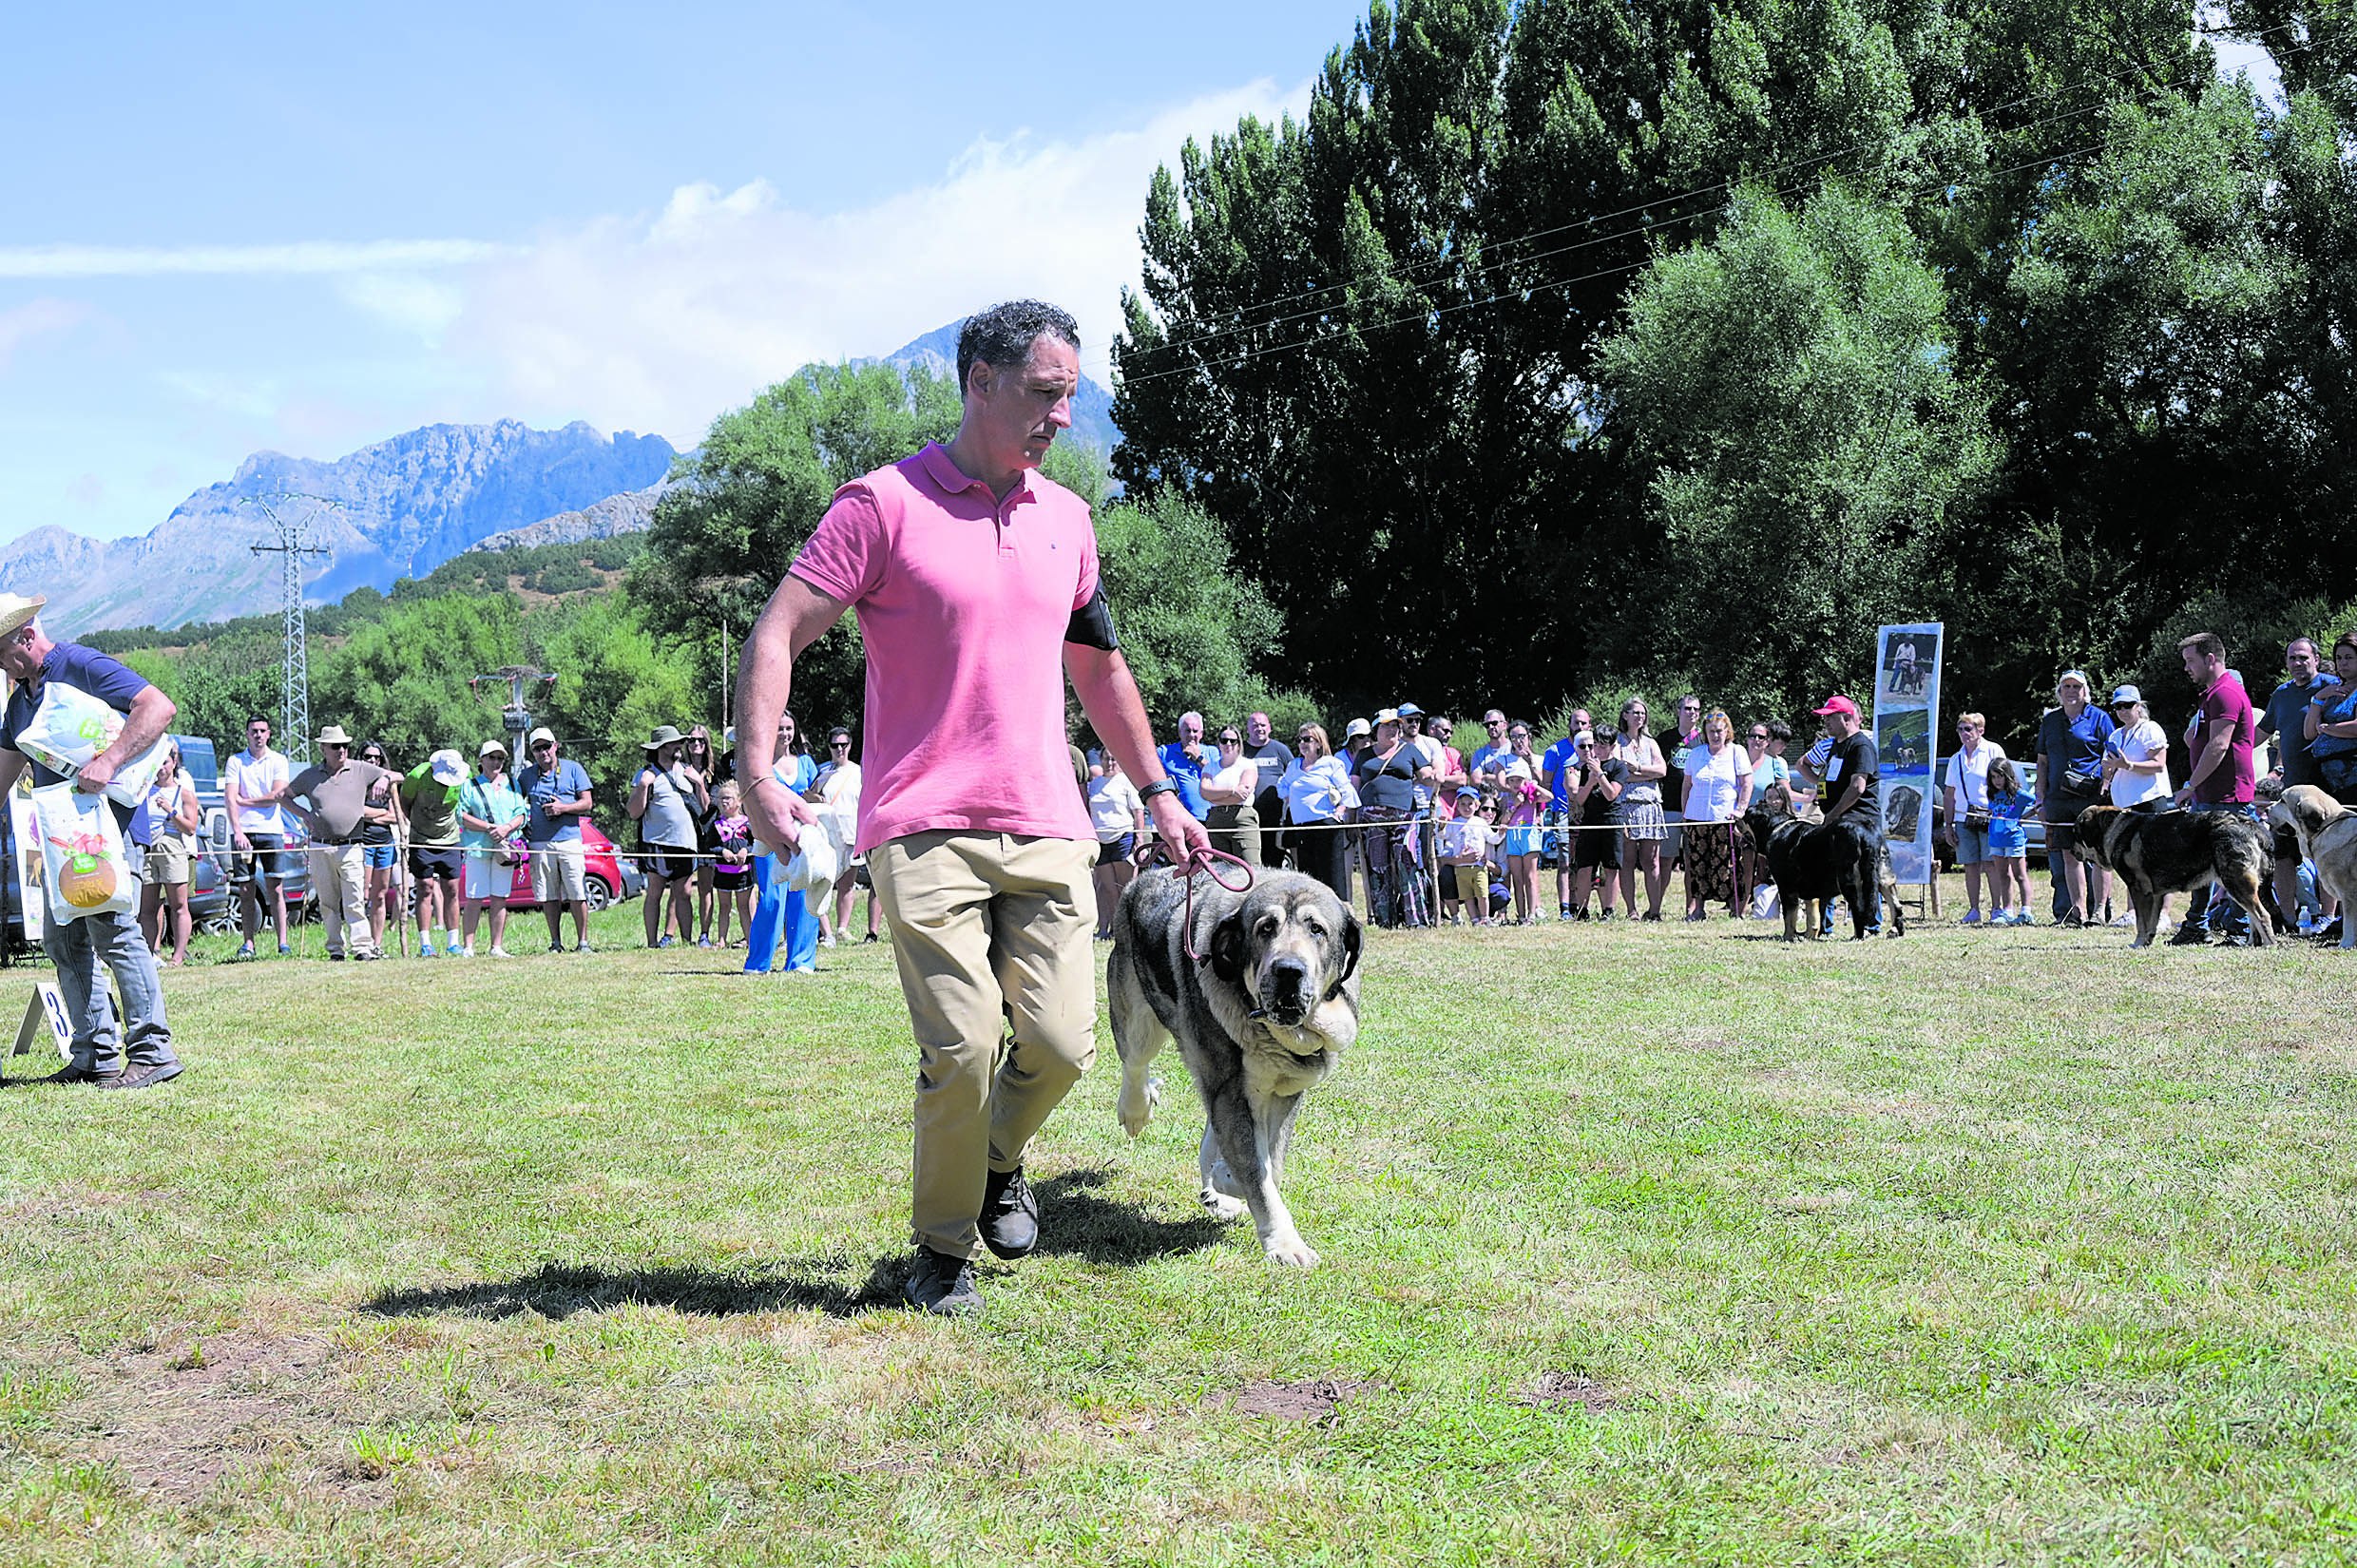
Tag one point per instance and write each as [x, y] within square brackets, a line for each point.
[407, 506]
[1092, 406]
[629, 512]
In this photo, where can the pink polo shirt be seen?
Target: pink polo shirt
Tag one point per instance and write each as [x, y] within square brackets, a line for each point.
[963, 603]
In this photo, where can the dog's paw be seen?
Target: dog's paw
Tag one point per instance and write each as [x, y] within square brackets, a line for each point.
[1221, 1206]
[1136, 1109]
[1289, 1249]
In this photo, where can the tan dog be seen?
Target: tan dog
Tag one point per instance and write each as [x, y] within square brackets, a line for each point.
[2327, 834]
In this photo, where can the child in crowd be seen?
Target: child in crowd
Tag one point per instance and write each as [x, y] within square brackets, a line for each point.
[732, 866]
[1493, 809]
[1465, 842]
[1521, 799]
[2008, 847]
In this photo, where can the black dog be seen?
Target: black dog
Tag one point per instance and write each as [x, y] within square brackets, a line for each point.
[1814, 862]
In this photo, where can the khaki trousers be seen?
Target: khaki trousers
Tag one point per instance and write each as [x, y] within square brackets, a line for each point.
[340, 881]
[991, 934]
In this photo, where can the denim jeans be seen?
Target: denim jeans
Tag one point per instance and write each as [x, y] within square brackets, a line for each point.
[2231, 920]
[77, 947]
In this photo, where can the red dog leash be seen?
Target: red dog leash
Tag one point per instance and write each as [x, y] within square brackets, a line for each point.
[1200, 860]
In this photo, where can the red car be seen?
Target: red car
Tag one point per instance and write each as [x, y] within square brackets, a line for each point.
[607, 877]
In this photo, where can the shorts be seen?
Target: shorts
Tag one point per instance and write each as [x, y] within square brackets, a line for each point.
[727, 881]
[443, 861]
[1523, 840]
[556, 872]
[485, 878]
[169, 862]
[1593, 848]
[269, 859]
[1972, 844]
[667, 861]
[380, 857]
[1113, 851]
[1470, 885]
[2062, 812]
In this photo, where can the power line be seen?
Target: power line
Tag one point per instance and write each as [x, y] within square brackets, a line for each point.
[1409, 277]
[294, 530]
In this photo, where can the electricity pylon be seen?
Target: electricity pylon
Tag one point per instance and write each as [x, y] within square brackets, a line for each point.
[294, 528]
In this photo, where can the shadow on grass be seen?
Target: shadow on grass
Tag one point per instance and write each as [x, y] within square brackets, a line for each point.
[1074, 1222]
[558, 1290]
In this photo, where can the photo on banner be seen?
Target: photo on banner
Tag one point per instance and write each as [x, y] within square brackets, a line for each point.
[1907, 716]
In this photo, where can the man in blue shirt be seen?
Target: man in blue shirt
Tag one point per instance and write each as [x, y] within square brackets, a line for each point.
[558, 790]
[1184, 760]
[2284, 721]
[77, 947]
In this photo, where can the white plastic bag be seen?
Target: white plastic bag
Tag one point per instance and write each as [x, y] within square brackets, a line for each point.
[82, 852]
[69, 727]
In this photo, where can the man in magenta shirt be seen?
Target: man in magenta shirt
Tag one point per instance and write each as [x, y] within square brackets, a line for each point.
[975, 583]
[2222, 777]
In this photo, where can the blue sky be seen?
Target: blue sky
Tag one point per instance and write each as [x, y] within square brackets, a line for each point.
[304, 228]
[241, 227]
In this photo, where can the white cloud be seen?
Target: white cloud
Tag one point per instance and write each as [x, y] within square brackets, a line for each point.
[424, 306]
[315, 256]
[658, 324]
[36, 318]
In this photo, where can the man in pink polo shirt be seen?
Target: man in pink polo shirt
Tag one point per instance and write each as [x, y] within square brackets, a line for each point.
[975, 583]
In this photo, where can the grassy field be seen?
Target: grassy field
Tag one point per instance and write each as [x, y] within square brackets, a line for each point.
[1669, 1244]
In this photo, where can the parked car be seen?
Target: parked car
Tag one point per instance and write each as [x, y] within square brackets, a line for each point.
[607, 876]
[211, 901]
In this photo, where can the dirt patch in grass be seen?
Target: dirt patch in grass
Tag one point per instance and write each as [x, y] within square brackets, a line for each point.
[1319, 1400]
[1557, 1390]
[179, 1415]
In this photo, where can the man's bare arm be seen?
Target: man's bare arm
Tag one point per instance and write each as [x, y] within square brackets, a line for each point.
[797, 616]
[1108, 695]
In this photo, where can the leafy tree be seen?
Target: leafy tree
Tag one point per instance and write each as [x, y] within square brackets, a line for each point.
[615, 683]
[1190, 624]
[744, 502]
[1789, 391]
[403, 678]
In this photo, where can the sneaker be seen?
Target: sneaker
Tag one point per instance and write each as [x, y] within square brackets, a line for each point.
[246, 950]
[366, 957]
[556, 947]
[1564, 912]
[869, 937]
[2025, 918]
[1604, 914]
[498, 951]
[468, 951]
[284, 949]
[1010, 1216]
[425, 949]
[583, 947]
[2241, 939]
[2330, 932]
[703, 942]
[1972, 917]
[143, 1075]
[666, 942]
[942, 1286]
[455, 950]
[335, 958]
[2190, 936]
[2123, 919]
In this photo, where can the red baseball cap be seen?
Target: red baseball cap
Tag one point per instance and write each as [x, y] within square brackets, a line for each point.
[1838, 704]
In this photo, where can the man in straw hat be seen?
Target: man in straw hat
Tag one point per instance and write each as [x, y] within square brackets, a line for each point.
[77, 947]
[337, 787]
[975, 581]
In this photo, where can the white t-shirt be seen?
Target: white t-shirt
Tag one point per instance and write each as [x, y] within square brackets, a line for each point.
[1712, 781]
[1968, 774]
[1113, 805]
[2139, 744]
[1466, 837]
[1244, 775]
[259, 776]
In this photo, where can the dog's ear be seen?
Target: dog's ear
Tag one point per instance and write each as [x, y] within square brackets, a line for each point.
[1227, 948]
[1353, 938]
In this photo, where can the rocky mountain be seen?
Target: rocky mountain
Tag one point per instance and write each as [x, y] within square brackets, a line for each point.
[629, 512]
[403, 506]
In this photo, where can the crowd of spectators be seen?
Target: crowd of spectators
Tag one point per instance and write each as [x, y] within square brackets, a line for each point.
[1433, 833]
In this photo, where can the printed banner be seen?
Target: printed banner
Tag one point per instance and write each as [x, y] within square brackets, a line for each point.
[24, 838]
[1907, 729]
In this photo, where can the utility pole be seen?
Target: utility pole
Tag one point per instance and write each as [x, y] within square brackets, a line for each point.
[516, 716]
[294, 530]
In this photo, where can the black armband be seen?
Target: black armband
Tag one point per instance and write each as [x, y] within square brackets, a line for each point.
[1092, 624]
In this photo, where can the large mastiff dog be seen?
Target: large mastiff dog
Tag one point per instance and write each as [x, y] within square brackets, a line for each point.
[2162, 852]
[1812, 862]
[2327, 834]
[1260, 1019]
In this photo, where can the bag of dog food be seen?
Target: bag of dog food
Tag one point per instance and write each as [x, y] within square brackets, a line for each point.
[69, 727]
[81, 853]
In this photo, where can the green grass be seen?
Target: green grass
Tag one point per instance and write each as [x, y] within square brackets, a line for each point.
[1978, 1246]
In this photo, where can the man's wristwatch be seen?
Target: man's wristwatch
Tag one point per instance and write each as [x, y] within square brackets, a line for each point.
[1159, 786]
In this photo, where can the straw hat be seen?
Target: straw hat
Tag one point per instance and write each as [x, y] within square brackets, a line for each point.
[15, 610]
[333, 735]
